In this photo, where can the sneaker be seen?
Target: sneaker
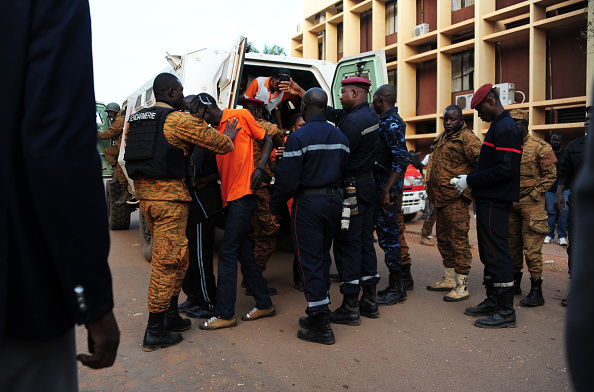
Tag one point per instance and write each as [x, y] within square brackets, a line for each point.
[186, 305]
[548, 239]
[427, 241]
[563, 241]
[256, 313]
[218, 323]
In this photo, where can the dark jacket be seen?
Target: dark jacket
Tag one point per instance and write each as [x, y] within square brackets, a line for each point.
[53, 217]
[497, 174]
[360, 125]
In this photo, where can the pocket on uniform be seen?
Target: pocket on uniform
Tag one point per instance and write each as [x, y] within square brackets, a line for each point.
[539, 226]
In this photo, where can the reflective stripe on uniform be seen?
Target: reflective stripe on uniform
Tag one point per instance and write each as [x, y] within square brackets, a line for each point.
[370, 129]
[325, 301]
[364, 278]
[508, 284]
[315, 147]
[351, 282]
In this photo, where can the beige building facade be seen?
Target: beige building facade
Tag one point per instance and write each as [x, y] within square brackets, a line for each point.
[540, 53]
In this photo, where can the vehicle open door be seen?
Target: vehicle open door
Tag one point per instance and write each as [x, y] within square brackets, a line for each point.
[231, 75]
[369, 65]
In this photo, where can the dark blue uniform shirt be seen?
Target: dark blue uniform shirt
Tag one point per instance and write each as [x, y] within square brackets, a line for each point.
[497, 174]
[360, 125]
[314, 157]
[392, 152]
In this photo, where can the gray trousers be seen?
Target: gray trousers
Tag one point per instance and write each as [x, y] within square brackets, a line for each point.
[39, 366]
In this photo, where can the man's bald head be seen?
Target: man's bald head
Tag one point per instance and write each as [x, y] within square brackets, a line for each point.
[168, 89]
[454, 109]
[388, 92]
[314, 103]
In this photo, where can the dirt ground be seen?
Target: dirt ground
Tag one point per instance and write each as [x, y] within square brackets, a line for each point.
[424, 344]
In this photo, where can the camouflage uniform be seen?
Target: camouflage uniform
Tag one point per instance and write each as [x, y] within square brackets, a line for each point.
[111, 153]
[262, 232]
[164, 203]
[454, 154]
[405, 255]
[528, 224]
[430, 220]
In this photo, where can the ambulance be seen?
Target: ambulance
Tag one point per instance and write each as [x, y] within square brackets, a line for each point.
[226, 74]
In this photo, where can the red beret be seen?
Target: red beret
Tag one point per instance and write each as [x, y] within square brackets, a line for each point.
[357, 81]
[480, 95]
[251, 102]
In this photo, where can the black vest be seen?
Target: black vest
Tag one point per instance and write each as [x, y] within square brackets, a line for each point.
[147, 151]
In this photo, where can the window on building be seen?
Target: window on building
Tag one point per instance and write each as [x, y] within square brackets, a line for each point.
[458, 4]
[391, 17]
[392, 75]
[339, 34]
[319, 18]
[463, 71]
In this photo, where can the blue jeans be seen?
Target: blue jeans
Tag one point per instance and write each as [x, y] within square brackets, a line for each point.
[236, 245]
[552, 214]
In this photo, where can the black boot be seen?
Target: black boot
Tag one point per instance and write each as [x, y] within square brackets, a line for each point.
[319, 330]
[394, 293]
[306, 322]
[173, 321]
[367, 305]
[348, 312]
[517, 281]
[156, 336]
[534, 297]
[407, 280]
[487, 307]
[504, 315]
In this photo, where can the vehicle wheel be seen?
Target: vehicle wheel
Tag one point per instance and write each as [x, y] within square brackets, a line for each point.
[145, 237]
[409, 217]
[119, 216]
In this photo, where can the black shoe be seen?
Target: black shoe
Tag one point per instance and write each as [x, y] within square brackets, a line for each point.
[187, 305]
[367, 305]
[394, 293]
[199, 313]
[348, 312]
[319, 332]
[173, 321]
[534, 297]
[306, 322]
[517, 281]
[156, 336]
[407, 280]
[504, 315]
[335, 278]
[487, 307]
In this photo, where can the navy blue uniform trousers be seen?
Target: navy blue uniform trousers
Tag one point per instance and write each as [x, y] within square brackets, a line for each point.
[315, 220]
[354, 251]
[492, 226]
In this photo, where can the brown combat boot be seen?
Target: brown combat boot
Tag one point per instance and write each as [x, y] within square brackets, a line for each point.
[460, 292]
[447, 283]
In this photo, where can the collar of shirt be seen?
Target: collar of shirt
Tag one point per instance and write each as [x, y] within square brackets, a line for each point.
[316, 118]
[390, 112]
[504, 114]
[360, 106]
[164, 105]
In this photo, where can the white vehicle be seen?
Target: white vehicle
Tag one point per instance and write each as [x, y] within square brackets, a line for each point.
[225, 75]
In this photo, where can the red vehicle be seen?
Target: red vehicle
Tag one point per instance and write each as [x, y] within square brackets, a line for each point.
[413, 193]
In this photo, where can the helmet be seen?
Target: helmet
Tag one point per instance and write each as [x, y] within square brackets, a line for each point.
[112, 107]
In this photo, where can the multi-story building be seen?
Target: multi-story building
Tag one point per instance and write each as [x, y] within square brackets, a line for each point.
[539, 52]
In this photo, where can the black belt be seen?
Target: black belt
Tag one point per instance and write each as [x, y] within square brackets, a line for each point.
[319, 191]
[359, 178]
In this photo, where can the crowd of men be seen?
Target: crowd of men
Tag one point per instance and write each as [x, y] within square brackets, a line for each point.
[340, 183]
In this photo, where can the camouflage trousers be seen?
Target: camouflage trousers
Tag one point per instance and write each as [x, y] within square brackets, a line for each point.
[528, 227]
[428, 224]
[111, 155]
[404, 253]
[262, 232]
[453, 223]
[167, 221]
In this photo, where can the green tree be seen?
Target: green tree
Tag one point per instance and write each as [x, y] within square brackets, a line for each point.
[274, 49]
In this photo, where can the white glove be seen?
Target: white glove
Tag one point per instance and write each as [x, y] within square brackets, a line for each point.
[459, 183]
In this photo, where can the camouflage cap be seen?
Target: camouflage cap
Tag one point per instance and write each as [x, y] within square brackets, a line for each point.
[518, 114]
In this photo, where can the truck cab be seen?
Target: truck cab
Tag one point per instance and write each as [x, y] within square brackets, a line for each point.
[413, 193]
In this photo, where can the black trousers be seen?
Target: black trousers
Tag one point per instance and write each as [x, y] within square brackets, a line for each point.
[492, 226]
[200, 283]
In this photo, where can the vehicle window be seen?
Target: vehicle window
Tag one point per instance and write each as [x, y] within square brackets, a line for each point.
[149, 96]
[138, 102]
[100, 120]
